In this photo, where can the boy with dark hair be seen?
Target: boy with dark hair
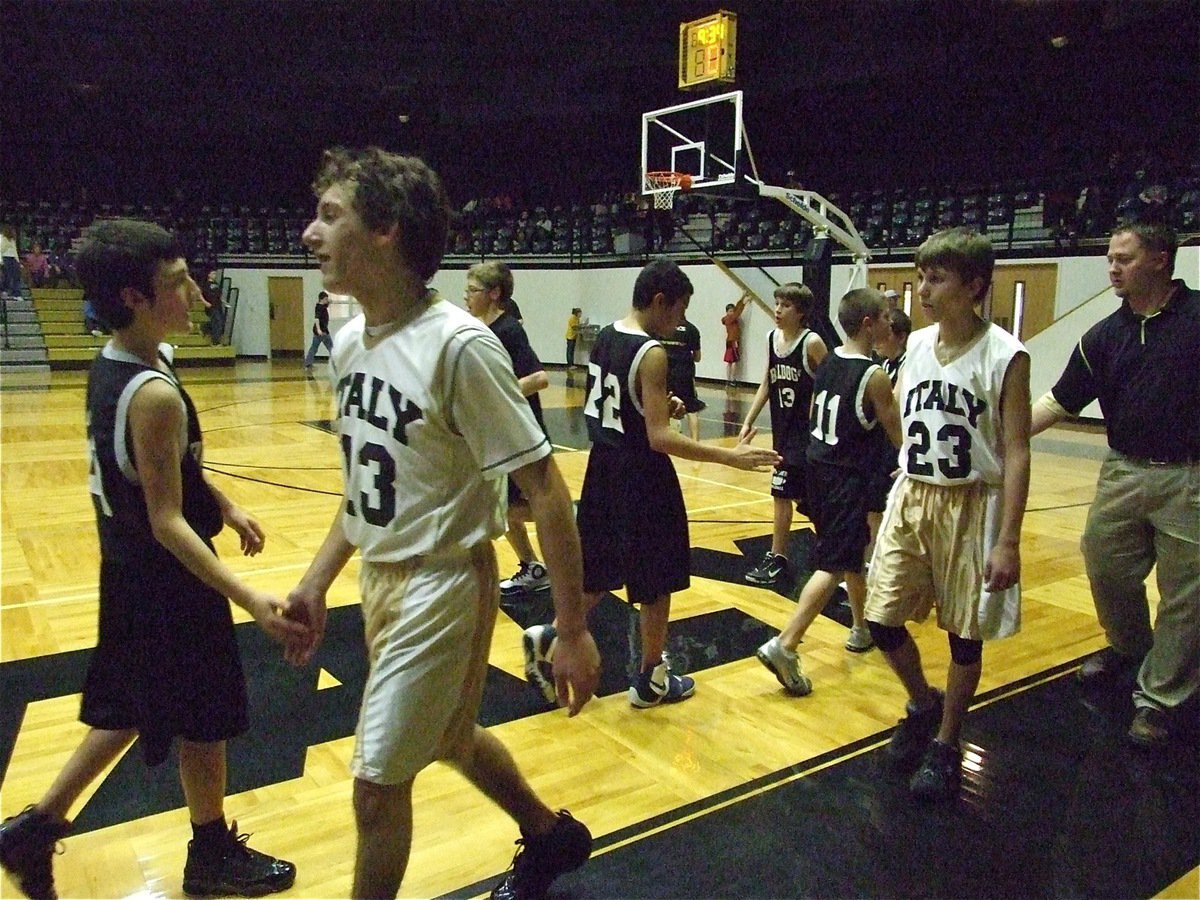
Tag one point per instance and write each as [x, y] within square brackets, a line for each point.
[166, 664]
[489, 287]
[852, 397]
[431, 418]
[320, 330]
[793, 353]
[951, 533]
[629, 473]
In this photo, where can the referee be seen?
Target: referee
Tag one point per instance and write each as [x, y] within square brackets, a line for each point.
[1140, 363]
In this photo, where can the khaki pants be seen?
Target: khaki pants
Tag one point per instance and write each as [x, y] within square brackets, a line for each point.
[1144, 515]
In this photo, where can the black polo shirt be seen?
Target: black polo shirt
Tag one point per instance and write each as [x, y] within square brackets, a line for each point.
[1145, 371]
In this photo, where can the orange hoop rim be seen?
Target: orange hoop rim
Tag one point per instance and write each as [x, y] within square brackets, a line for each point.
[668, 180]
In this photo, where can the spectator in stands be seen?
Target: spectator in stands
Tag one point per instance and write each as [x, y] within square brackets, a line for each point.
[10, 275]
[91, 321]
[214, 306]
[37, 266]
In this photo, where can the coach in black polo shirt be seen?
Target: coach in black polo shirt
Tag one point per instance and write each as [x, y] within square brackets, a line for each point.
[1143, 364]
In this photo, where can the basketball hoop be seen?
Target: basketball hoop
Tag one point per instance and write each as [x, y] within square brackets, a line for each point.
[664, 185]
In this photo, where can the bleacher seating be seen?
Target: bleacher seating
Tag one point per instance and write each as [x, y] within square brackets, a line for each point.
[892, 221]
[70, 346]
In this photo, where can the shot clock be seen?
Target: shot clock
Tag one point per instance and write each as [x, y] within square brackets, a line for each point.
[708, 50]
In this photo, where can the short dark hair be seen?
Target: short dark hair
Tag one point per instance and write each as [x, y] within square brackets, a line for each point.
[899, 322]
[856, 306]
[120, 253]
[964, 251]
[798, 295]
[390, 189]
[1157, 237]
[660, 276]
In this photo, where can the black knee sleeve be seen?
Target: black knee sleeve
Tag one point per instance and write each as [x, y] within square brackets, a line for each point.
[887, 637]
[964, 652]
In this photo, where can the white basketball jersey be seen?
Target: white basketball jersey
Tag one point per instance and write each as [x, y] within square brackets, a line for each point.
[430, 421]
[951, 413]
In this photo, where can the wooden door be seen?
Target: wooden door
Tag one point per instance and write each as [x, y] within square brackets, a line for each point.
[286, 298]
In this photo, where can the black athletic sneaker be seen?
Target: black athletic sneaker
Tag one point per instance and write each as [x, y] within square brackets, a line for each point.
[911, 738]
[1108, 668]
[940, 775]
[539, 860]
[770, 570]
[27, 847]
[233, 869]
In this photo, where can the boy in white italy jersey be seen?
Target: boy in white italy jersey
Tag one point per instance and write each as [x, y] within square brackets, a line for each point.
[430, 420]
[950, 535]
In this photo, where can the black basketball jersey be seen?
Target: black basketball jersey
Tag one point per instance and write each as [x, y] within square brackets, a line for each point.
[525, 361]
[790, 394]
[121, 515]
[614, 414]
[842, 430]
[681, 349]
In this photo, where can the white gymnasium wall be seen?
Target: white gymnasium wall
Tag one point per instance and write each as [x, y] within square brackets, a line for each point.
[252, 324]
[547, 295]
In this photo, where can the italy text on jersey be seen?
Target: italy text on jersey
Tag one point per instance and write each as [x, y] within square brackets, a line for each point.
[385, 408]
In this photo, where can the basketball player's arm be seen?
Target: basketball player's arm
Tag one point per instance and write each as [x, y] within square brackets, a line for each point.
[1003, 568]
[248, 530]
[576, 659]
[306, 602]
[883, 402]
[756, 405]
[156, 419]
[815, 352]
[533, 382]
[652, 388]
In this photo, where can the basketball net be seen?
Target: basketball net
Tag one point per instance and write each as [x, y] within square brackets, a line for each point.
[666, 185]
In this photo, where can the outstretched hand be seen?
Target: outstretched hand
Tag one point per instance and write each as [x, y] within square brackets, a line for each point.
[754, 459]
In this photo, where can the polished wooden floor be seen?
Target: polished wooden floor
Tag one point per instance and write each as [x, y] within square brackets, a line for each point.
[612, 766]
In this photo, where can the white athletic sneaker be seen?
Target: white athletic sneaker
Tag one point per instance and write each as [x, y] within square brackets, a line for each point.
[785, 666]
[531, 576]
[860, 639]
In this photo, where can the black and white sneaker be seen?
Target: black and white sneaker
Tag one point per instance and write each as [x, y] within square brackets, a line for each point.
[541, 859]
[770, 570]
[230, 867]
[538, 644]
[529, 577]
